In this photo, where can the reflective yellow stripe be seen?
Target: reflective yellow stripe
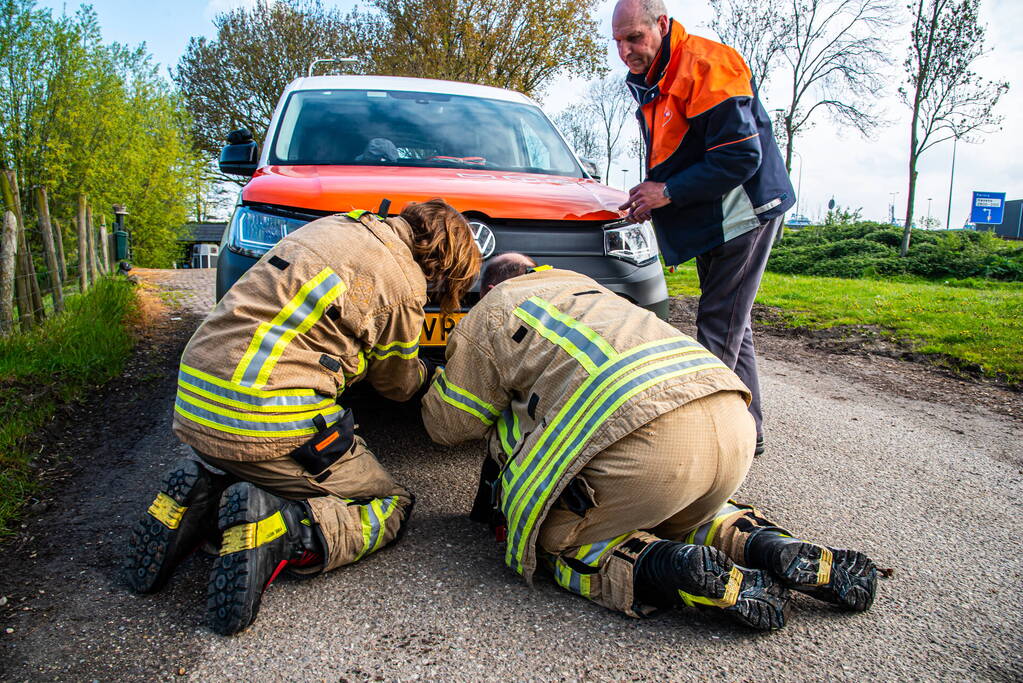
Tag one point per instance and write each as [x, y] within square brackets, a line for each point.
[579, 340]
[253, 534]
[357, 214]
[250, 417]
[167, 511]
[537, 269]
[242, 431]
[463, 399]
[285, 332]
[727, 600]
[305, 407]
[402, 349]
[241, 388]
[824, 566]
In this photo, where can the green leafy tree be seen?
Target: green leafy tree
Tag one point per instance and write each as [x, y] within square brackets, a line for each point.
[84, 117]
[516, 44]
[948, 99]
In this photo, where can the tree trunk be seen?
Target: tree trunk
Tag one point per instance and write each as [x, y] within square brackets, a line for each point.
[8, 248]
[58, 236]
[46, 229]
[83, 247]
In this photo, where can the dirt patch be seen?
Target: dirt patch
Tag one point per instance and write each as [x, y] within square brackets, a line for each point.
[868, 354]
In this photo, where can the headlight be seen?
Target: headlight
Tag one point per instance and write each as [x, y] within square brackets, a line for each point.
[633, 243]
[253, 233]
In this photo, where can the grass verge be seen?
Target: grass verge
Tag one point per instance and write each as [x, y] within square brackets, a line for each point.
[965, 323]
[54, 363]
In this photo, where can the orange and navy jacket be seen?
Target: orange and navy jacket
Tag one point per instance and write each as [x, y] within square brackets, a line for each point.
[709, 139]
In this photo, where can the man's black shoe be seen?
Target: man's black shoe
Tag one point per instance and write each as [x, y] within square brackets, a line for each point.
[180, 518]
[262, 534]
[842, 577]
[670, 573]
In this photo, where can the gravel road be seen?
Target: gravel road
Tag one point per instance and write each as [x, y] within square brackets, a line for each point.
[928, 488]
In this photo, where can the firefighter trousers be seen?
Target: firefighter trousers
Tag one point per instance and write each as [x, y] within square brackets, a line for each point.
[358, 507]
[671, 479]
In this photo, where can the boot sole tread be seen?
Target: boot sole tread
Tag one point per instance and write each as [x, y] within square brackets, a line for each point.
[153, 549]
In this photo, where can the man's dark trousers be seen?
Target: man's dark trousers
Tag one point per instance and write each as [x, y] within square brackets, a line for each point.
[729, 278]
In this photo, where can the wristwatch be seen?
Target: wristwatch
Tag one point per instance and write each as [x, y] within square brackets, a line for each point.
[665, 192]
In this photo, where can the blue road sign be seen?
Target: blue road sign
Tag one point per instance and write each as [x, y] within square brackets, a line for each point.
[988, 207]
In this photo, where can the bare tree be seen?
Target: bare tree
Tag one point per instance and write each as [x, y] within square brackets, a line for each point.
[235, 79]
[948, 99]
[579, 126]
[835, 51]
[755, 28]
[612, 106]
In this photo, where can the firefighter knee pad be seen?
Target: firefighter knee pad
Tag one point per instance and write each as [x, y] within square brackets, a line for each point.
[179, 520]
[685, 575]
[262, 535]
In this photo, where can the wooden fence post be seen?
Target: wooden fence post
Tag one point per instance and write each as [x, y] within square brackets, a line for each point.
[24, 278]
[93, 267]
[58, 235]
[83, 247]
[8, 248]
[104, 246]
[46, 229]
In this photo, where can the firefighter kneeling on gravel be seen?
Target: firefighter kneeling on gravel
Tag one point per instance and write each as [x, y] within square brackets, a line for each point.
[615, 444]
[336, 302]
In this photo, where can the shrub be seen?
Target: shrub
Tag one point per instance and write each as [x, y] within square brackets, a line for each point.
[869, 249]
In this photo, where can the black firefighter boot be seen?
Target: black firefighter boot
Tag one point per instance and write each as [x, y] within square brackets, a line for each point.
[263, 534]
[671, 574]
[842, 577]
[180, 518]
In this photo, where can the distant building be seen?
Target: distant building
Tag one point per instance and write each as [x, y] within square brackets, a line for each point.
[1011, 227]
[200, 245]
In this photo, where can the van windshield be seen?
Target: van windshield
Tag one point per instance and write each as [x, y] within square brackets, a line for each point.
[395, 128]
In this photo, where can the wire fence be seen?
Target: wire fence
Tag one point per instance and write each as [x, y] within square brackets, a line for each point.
[37, 269]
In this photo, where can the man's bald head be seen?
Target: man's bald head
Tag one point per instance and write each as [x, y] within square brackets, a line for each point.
[504, 267]
[639, 27]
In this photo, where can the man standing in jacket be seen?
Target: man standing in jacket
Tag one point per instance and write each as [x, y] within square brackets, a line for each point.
[614, 445]
[716, 185]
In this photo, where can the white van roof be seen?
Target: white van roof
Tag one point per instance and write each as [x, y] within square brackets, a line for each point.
[407, 85]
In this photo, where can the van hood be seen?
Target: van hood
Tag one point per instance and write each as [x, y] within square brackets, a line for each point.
[496, 194]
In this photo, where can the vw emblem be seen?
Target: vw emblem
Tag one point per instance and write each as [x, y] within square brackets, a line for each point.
[484, 237]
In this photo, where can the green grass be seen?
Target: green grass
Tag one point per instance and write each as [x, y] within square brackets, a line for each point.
[56, 362]
[969, 322]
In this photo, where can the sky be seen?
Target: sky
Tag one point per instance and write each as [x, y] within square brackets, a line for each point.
[839, 163]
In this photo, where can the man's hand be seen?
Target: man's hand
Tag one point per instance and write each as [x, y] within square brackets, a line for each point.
[643, 199]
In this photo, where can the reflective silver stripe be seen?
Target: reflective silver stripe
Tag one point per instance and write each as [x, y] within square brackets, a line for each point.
[768, 206]
[191, 382]
[236, 425]
[521, 515]
[575, 338]
[461, 398]
[699, 535]
[274, 334]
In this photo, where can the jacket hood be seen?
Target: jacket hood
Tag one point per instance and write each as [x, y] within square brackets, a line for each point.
[496, 194]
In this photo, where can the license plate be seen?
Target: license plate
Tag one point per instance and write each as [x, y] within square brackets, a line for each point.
[436, 329]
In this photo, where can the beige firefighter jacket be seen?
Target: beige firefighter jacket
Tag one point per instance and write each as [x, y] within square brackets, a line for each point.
[335, 302]
[553, 368]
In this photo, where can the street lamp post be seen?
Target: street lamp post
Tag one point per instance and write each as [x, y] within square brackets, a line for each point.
[891, 207]
[624, 172]
[928, 213]
[951, 180]
[799, 183]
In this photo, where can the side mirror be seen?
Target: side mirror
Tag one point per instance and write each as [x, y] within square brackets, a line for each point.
[590, 167]
[241, 155]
